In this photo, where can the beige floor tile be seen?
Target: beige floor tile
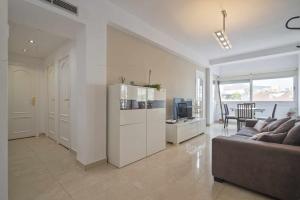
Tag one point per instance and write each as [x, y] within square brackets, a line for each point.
[40, 169]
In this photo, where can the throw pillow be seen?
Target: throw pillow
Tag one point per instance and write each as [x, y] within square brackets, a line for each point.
[255, 137]
[285, 127]
[260, 125]
[273, 138]
[293, 136]
[275, 124]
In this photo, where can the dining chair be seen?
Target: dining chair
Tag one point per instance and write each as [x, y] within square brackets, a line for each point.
[273, 113]
[227, 115]
[244, 112]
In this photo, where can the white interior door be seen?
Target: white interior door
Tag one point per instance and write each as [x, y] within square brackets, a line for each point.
[64, 102]
[52, 133]
[21, 122]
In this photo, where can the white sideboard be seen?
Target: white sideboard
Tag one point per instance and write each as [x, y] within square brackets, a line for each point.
[136, 123]
[185, 129]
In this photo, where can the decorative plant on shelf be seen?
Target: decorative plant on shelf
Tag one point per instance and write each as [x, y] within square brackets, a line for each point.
[156, 86]
[122, 79]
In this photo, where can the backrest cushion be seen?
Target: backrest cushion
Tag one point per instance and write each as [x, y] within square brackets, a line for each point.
[285, 127]
[275, 124]
[272, 138]
[293, 136]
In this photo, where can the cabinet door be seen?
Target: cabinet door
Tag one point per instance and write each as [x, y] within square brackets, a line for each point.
[132, 143]
[130, 92]
[156, 130]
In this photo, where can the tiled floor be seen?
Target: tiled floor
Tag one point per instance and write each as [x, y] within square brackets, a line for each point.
[39, 169]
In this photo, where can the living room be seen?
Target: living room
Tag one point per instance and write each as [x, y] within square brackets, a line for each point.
[130, 99]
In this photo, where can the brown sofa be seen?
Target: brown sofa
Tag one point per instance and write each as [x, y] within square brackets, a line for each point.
[267, 168]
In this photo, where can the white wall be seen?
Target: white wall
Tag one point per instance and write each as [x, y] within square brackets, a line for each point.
[275, 64]
[90, 50]
[3, 100]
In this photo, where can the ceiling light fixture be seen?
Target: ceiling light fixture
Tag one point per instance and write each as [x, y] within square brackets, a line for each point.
[31, 41]
[221, 36]
[24, 50]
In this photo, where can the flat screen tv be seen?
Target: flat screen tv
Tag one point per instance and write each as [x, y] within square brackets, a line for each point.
[182, 108]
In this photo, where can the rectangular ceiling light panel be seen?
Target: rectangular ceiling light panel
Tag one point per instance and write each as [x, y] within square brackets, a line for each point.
[223, 40]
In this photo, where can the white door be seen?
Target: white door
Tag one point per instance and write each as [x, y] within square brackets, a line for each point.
[64, 102]
[21, 121]
[51, 103]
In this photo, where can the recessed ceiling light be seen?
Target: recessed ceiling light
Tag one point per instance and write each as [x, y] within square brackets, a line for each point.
[24, 50]
[31, 41]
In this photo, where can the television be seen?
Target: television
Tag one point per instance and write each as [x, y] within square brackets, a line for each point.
[182, 108]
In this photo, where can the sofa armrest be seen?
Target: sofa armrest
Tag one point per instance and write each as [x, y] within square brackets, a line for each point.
[251, 122]
[269, 168]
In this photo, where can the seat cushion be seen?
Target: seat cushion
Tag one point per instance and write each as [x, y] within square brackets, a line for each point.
[247, 131]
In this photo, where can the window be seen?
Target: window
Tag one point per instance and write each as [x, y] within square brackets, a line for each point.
[235, 91]
[279, 89]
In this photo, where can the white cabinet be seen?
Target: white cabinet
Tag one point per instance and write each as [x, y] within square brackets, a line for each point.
[132, 143]
[136, 123]
[185, 129]
[156, 116]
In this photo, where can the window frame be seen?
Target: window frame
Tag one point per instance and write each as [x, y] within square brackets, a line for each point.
[251, 79]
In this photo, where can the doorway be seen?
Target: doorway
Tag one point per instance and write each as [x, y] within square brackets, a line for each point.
[39, 84]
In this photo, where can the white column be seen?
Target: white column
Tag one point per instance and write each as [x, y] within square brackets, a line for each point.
[91, 137]
[209, 96]
[3, 101]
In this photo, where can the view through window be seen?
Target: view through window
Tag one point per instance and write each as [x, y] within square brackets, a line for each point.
[279, 89]
[235, 91]
[275, 89]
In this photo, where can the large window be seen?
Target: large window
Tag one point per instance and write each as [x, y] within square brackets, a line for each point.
[279, 89]
[235, 91]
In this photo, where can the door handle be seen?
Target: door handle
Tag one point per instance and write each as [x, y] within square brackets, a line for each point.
[33, 101]
[67, 99]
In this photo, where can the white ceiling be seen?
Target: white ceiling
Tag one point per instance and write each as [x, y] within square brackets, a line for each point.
[251, 24]
[44, 43]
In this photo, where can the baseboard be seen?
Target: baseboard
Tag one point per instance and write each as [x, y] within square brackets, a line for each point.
[92, 165]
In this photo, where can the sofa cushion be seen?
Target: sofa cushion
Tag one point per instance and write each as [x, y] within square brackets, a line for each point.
[247, 131]
[260, 125]
[285, 127]
[272, 138]
[293, 136]
[256, 136]
[275, 124]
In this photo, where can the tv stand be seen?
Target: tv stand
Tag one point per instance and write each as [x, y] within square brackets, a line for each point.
[185, 129]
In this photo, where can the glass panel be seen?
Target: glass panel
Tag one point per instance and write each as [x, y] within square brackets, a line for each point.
[199, 101]
[235, 92]
[279, 89]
